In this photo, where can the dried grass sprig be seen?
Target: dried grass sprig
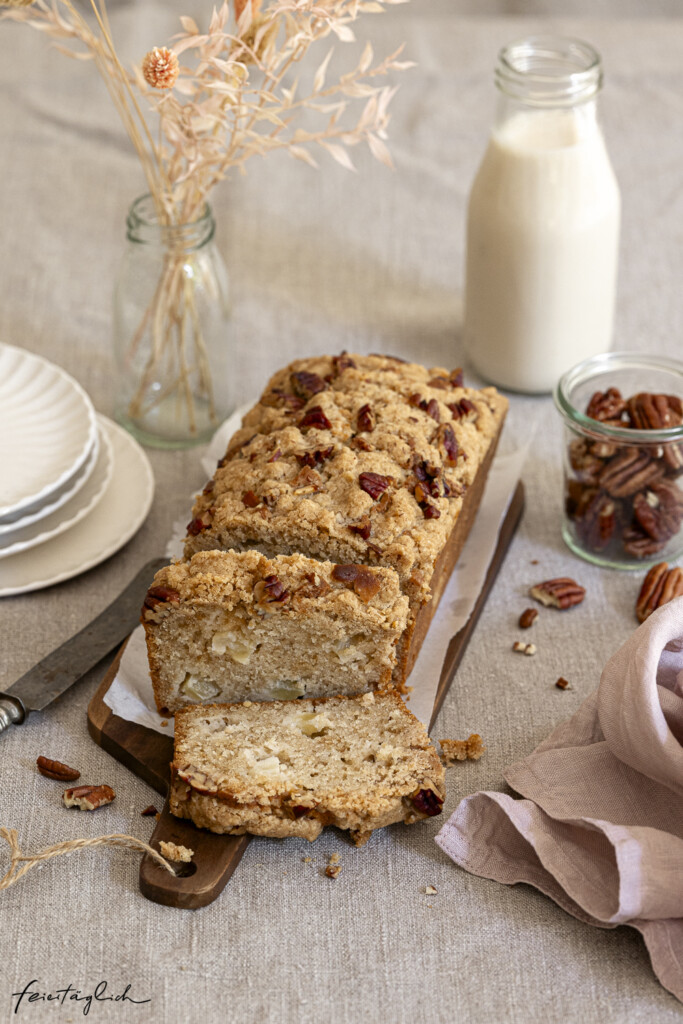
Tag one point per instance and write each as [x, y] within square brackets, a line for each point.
[233, 89]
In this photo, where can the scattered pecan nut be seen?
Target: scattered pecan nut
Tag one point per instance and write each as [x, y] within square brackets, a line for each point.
[562, 684]
[660, 586]
[519, 647]
[374, 484]
[88, 798]
[364, 581]
[562, 592]
[57, 770]
[528, 617]
[149, 811]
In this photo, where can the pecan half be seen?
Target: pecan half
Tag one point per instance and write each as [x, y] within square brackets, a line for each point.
[315, 457]
[639, 544]
[365, 420]
[433, 410]
[527, 618]
[342, 362]
[629, 471]
[364, 581]
[251, 499]
[374, 484]
[202, 522]
[606, 406]
[57, 770]
[307, 481]
[363, 528]
[305, 384]
[278, 398]
[654, 412]
[659, 510]
[464, 409]
[315, 417]
[441, 383]
[596, 519]
[156, 601]
[270, 590]
[584, 463]
[562, 592]
[88, 798]
[456, 377]
[427, 802]
[660, 586]
[449, 443]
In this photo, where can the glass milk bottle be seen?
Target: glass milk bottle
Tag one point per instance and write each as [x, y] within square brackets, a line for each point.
[543, 221]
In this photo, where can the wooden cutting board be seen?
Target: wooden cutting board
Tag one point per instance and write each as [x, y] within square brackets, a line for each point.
[148, 754]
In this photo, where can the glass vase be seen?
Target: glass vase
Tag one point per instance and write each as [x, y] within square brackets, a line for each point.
[172, 330]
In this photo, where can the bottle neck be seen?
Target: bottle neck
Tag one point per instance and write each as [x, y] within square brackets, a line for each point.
[549, 72]
[144, 227]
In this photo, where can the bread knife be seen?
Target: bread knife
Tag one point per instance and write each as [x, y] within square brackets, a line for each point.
[63, 667]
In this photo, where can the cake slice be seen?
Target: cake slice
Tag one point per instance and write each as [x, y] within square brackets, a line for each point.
[289, 768]
[233, 626]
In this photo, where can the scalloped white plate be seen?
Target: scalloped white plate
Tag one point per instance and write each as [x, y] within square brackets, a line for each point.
[58, 498]
[47, 428]
[116, 517]
[81, 504]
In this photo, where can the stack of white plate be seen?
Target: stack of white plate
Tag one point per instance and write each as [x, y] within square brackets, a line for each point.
[74, 487]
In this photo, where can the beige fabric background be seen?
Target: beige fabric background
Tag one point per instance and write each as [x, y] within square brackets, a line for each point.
[320, 262]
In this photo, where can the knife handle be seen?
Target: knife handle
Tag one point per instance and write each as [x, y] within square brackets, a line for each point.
[12, 711]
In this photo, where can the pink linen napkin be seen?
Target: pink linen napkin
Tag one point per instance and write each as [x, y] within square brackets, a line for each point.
[600, 828]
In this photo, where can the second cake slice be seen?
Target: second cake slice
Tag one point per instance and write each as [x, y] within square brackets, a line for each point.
[233, 626]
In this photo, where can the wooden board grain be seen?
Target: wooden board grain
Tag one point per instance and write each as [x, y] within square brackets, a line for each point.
[148, 754]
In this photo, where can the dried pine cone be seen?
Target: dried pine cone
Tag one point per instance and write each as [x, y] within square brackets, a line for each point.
[160, 68]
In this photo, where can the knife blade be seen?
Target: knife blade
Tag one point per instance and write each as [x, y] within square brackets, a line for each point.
[63, 667]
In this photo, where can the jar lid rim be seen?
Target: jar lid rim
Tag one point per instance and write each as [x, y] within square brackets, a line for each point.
[583, 372]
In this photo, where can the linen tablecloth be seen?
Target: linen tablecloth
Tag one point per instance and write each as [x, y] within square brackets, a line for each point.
[320, 262]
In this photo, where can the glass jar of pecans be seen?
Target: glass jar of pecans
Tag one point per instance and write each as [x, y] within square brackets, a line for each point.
[623, 455]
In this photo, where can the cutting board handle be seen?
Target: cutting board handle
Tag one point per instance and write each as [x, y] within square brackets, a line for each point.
[198, 882]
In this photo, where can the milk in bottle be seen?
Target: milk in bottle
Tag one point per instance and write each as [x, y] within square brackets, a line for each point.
[543, 222]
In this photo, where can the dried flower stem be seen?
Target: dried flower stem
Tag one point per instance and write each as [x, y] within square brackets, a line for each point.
[234, 100]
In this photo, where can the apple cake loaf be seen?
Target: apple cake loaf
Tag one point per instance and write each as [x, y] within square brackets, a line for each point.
[232, 626]
[358, 459]
[289, 768]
